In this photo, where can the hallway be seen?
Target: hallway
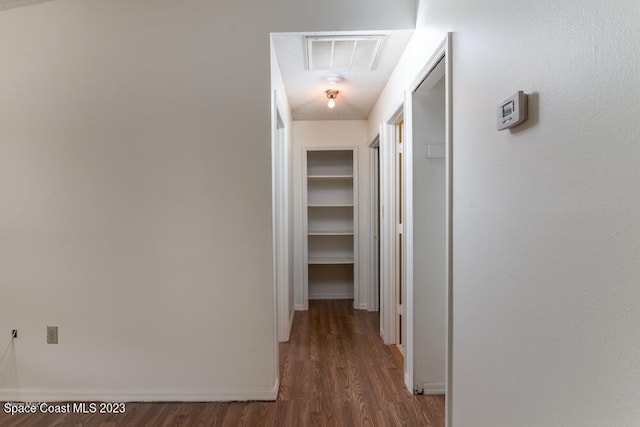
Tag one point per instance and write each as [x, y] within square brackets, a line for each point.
[335, 371]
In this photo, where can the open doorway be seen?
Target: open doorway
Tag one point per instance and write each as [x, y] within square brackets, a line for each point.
[429, 232]
[416, 230]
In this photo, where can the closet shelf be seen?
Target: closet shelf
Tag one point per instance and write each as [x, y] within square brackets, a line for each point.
[328, 177]
[330, 194]
[331, 233]
[330, 205]
[330, 260]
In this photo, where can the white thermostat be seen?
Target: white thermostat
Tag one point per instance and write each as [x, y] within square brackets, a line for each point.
[512, 111]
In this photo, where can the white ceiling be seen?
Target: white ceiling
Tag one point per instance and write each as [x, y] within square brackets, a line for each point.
[359, 89]
[10, 4]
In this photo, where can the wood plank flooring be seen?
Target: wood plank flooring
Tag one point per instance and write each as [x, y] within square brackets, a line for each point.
[335, 371]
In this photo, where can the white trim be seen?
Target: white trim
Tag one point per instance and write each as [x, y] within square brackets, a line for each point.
[305, 236]
[305, 229]
[397, 111]
[280, 200]
[374, 215]
[140, 395]
[274, 244]
[407, 236]
[447, 43]
[374, 235]
[397, 269]
[387, 232]
[435, 58]
[335, 295]
[357, 291]
[433, 388]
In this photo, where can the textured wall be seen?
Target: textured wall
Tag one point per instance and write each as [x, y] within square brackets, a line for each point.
[546, 230]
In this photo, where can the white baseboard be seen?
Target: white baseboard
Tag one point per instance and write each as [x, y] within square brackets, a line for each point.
[154, 395]
[331, 296]
[433, 388]
[299, 307]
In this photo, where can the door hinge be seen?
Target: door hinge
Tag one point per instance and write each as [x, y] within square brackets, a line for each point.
[400, 310]
[400, 228]
[399, 148]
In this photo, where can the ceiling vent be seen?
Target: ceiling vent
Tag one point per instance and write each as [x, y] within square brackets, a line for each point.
[342, 53]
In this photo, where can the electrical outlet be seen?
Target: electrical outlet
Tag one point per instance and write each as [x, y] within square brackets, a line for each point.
[14, 333]
[52, 335]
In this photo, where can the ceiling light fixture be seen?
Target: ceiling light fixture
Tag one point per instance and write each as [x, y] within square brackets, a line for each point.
[332, 95]
[334, 78]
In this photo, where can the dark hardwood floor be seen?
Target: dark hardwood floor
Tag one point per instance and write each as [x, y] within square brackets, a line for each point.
[335, 371]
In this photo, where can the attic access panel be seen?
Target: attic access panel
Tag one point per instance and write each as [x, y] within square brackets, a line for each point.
[342, 53]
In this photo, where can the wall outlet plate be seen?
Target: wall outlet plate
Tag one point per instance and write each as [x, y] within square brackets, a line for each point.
[52, 335]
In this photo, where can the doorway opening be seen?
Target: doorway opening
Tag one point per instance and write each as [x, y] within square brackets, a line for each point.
[429, 231]
[416, 232]
[394, 280]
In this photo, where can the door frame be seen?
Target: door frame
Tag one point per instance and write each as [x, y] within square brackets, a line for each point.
[281, 200]
[387, 153]
[388, 304]
[442, 53]
[374, 233]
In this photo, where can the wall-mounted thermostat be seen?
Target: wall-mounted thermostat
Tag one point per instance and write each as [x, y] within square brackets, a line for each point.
[512, 111]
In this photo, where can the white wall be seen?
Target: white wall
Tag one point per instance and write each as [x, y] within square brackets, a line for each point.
[429, 235]
[546, 231]
[135, 186]
[333, 133]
